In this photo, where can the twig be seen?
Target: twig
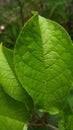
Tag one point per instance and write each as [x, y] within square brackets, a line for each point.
[53, 127]
[34, 124]
[42, 122]
[39, 119]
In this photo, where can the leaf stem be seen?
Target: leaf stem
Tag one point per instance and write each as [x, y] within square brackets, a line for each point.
[51, 126]
[42, 122]
[34, 124]
[40, 119]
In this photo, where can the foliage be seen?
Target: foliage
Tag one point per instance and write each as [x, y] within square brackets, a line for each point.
[36, 78]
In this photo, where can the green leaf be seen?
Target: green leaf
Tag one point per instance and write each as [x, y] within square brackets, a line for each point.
[65, 117]
[25, 127]
[69, 123]
[61, 121]
[10, 124]
[9, 80]
[12, 108]
[43, 60]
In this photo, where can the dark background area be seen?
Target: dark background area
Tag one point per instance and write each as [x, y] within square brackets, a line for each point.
[15, 13]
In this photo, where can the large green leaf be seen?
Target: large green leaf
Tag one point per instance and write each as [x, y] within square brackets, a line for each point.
[10, 124]
[9, 80]
[42, 57]
[12, 108]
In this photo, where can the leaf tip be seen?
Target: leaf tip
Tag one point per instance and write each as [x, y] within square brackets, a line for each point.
[34, 13]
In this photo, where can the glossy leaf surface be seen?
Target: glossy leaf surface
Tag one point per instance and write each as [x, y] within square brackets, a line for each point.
[43, 61]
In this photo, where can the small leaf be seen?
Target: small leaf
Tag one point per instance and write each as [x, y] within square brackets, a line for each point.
[25, 127]
[65, 117]
[43, 60]
[69, 123]
[66, 124]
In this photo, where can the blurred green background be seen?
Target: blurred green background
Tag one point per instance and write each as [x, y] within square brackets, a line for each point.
[14, 14]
